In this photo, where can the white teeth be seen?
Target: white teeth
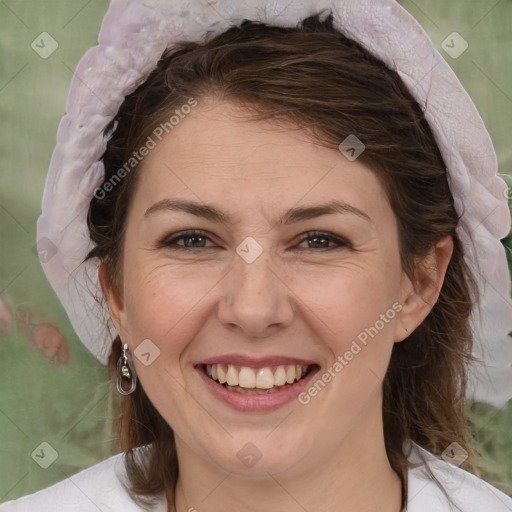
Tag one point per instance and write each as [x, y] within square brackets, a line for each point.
[232, 376]
[280, 376]
[246, 378]
[290, 374]
[265, 379]
[254, 391]
[255, 378]
[221, 374]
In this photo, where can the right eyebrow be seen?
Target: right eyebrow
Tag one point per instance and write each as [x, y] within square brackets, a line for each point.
[292, 216]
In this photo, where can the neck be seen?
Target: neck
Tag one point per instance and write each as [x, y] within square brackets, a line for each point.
[355, 475]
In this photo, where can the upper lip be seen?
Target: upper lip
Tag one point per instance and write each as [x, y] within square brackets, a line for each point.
[255, 362]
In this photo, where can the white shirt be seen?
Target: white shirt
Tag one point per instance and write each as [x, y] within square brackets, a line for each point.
[98, 489]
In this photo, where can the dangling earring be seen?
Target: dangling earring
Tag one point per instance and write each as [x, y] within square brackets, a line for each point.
[126, 370]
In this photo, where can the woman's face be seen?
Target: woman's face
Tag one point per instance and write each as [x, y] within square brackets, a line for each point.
[279, 281]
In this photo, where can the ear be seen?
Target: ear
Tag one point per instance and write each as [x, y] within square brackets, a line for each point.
[419, 298]
[113, 298]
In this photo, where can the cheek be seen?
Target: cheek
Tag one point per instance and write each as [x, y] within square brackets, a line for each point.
[161, 306]
[354, 313]
[159, 298]
[339, 302]
[347, 303]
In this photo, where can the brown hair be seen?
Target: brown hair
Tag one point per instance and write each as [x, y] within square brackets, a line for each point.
[318, 79]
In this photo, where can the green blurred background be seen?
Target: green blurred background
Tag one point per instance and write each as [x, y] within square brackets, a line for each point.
[70, 406]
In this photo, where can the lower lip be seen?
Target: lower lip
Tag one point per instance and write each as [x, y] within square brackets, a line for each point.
[257, 403]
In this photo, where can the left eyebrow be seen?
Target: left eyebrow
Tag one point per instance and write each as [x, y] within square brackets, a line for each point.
[297, 214]
[302, 213]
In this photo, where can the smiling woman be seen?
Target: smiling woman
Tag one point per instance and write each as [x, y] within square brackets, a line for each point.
[292, 313]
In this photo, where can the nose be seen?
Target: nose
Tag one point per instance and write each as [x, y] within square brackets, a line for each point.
[256, 299]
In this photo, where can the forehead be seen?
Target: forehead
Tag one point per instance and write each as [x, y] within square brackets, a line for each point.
[216, 152]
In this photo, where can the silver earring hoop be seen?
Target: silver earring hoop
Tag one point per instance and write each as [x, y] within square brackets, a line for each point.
[126, 371]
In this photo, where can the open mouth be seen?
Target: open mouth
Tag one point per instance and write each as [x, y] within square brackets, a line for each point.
[257, 381]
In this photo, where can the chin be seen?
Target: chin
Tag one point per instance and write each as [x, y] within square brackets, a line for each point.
[257, 456]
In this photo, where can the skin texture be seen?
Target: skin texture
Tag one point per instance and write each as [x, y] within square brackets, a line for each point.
[294, 300]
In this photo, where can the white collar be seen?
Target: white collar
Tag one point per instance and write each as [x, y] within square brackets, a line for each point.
[99, 488]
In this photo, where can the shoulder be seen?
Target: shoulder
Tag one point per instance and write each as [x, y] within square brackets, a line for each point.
[96, 488]
[466, 492]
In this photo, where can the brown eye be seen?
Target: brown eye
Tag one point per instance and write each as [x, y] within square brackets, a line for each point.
[191, 240]
[196, 239]
[320, 240]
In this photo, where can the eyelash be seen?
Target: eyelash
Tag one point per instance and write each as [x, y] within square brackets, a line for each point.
[170, 243]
